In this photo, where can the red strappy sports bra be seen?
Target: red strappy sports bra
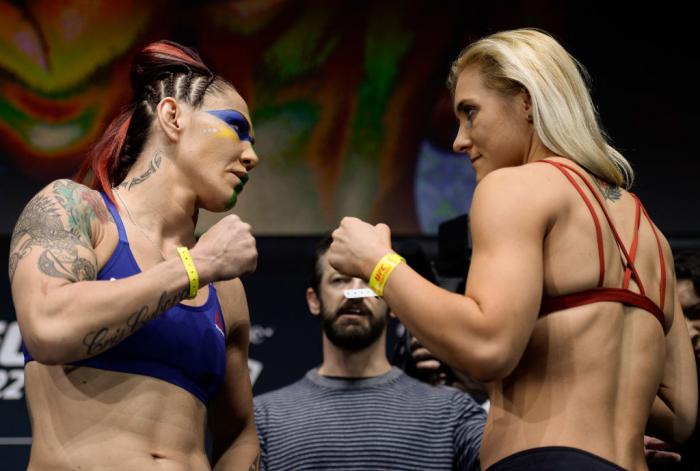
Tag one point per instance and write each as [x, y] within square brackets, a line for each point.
[601, 293]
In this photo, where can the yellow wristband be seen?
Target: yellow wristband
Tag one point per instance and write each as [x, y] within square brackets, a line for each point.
[190, 269]
[382, 270]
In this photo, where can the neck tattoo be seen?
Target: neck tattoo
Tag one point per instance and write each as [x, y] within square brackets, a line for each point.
[152, 168]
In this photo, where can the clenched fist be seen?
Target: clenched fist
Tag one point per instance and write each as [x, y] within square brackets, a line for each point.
[358, 246]
[227, 250]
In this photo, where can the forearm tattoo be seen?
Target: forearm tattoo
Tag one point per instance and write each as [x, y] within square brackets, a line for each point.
[154, 165]
[59, 224]
[102, 339]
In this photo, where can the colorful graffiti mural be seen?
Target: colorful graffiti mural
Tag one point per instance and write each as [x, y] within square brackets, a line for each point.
[342, 93]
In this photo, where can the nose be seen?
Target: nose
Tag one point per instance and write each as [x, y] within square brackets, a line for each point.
[358, 283]
[462, 142]
[249, 158]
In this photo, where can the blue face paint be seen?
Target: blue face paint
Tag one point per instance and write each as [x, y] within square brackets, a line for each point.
[235, 121]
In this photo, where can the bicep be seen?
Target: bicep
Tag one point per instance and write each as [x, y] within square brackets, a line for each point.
[51, 243]
[506, 272]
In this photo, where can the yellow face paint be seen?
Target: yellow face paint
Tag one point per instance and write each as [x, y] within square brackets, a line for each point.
[238, 129]
[237, 125]
[227, 133]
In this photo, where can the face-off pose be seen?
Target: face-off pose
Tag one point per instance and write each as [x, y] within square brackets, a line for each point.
[570, 312]
[131, 339]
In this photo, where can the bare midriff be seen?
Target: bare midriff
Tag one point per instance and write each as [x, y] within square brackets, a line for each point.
[84, 418]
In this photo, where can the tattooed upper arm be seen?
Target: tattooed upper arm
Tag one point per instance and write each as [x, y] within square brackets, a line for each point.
[57, 225]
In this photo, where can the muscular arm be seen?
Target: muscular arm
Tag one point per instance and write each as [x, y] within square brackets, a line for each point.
[231, 419]
[674, 411]
[485, 332]
[63, 313]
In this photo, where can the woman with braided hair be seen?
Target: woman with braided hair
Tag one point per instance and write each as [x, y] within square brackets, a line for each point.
[134, 332]
[570, 313]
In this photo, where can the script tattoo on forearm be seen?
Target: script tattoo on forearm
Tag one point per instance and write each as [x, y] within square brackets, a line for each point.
[60, 234]
[105, 338]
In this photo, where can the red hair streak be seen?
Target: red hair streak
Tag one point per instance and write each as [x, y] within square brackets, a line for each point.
[103, 159]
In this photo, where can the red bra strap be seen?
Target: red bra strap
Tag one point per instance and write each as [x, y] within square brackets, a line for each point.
[635, 240]
[628, 259]
[598, 230]
[662, 287]
[567, 301]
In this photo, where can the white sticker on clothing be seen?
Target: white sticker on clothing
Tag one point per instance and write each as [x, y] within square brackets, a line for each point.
[359, 293]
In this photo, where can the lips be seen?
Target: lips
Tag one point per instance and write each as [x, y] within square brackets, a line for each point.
[354, 312]
[243, 177]
[347, 317]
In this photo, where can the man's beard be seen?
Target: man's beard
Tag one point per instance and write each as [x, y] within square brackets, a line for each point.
[352, 335]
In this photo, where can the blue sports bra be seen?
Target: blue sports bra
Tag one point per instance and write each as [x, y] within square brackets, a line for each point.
[185, 346]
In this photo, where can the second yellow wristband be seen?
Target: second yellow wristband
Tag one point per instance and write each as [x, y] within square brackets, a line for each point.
[382, 270]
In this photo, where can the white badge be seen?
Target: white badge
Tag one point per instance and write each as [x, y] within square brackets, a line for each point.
[360, 293]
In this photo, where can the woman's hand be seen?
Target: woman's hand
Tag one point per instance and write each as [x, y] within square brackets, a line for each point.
[227, 250]
[358, 246]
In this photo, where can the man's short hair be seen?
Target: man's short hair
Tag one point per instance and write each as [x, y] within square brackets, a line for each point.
[316, 269]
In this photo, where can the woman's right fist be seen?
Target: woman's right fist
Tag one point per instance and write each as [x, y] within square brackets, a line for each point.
[227, 250]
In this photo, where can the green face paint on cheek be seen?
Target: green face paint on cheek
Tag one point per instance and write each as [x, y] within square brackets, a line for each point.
[232, 202]
[236, 191]
[239, 188]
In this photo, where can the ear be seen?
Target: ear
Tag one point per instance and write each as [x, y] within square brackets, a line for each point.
[169, 116]
[313, 301]
[525, 103]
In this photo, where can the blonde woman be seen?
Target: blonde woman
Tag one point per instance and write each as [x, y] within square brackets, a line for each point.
[570, 312]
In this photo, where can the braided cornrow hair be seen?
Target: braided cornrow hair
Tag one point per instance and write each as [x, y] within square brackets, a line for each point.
[161, 69]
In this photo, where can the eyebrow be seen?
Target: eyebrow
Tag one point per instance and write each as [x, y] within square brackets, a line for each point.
[251, 133]
[461, 108]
